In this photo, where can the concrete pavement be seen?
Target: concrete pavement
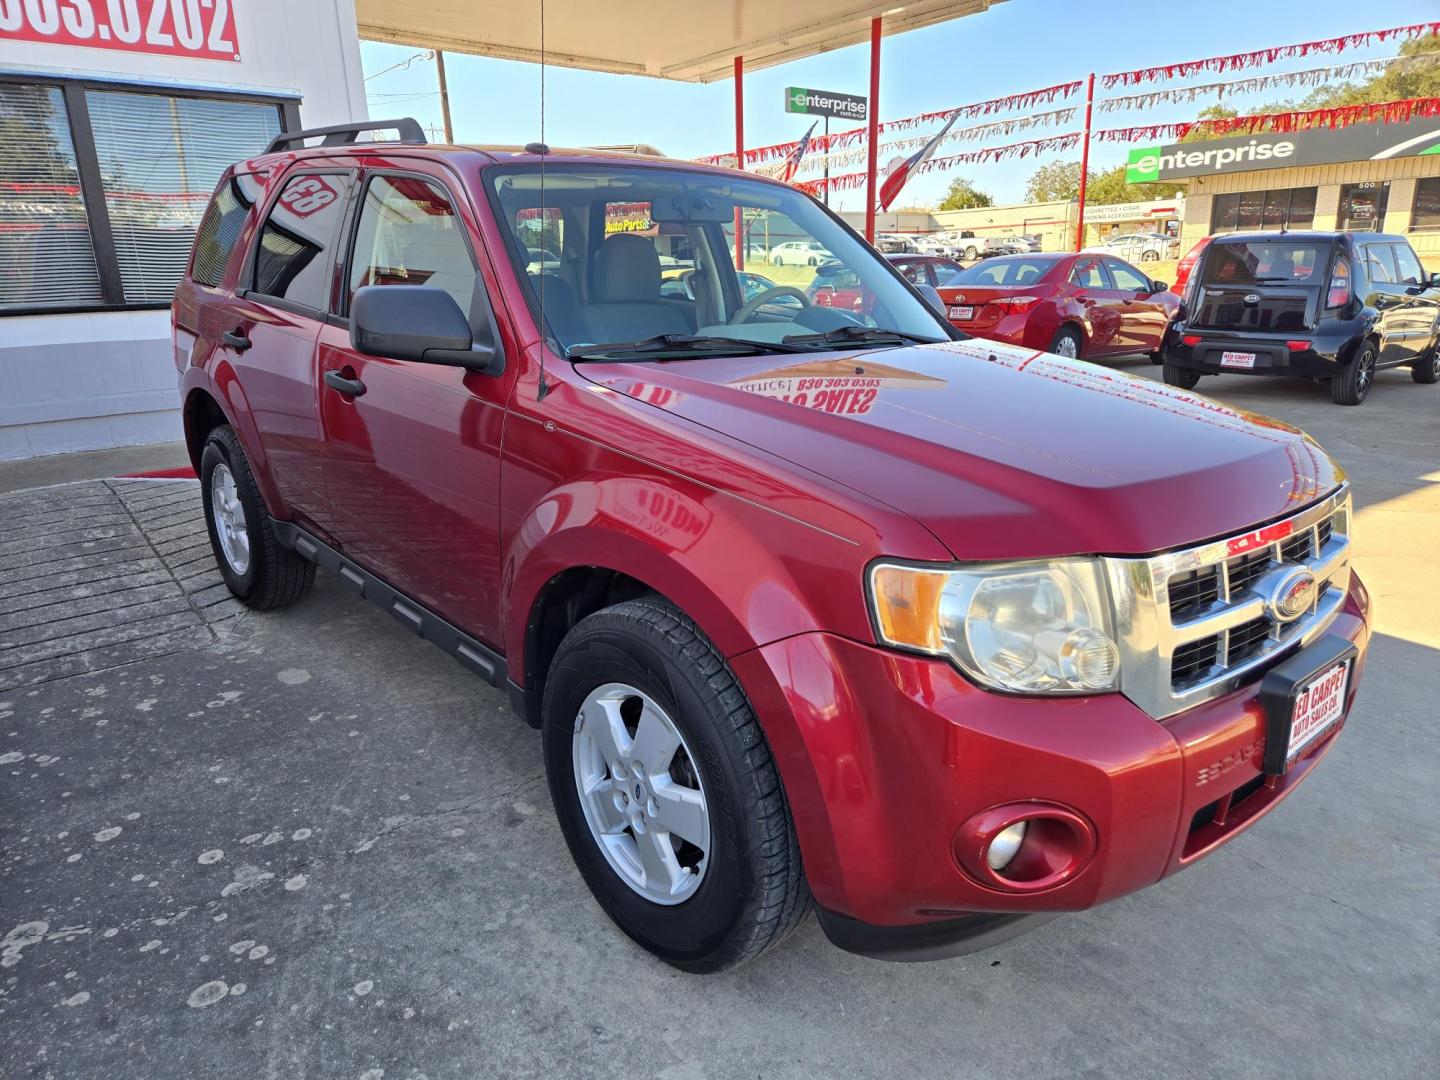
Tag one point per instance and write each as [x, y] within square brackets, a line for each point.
[305, 844]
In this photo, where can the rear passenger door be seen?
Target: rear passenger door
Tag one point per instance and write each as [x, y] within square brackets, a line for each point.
[1391, 300]
[1103, 305]
[1422, 310]
[285, 290]
[413, 462]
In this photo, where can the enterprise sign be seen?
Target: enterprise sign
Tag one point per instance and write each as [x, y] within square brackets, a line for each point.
[825, 103]
[1320, 146]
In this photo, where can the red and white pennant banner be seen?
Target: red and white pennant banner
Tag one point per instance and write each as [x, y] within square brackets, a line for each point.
[823, 144]
[1382, 112]
[850, 181]
[1309, 77]
[1260, 57]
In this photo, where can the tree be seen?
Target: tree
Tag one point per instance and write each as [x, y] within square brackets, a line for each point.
[1417, 79]
[963, 195]
[1057, 182]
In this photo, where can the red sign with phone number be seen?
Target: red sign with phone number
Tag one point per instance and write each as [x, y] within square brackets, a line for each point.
[204, 29]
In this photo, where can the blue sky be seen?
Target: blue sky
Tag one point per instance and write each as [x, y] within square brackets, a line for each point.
[1019, 45]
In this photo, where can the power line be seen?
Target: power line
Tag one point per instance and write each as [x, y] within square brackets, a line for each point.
[428, 54]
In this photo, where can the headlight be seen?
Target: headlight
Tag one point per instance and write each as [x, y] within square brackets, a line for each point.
[1033, 628]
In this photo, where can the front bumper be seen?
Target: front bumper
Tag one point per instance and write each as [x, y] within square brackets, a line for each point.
[886, 756]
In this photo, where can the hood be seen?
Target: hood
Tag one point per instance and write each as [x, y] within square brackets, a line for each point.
[1001, 452]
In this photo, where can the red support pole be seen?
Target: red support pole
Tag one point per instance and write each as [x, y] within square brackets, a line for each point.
[739, 156]
[872, 157]
[1085, 163]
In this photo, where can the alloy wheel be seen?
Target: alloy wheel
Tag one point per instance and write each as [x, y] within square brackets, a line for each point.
[641, 793]
[1365, 373]
[228, 515]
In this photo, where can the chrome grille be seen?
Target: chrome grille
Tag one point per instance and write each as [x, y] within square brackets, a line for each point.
[1198, 623]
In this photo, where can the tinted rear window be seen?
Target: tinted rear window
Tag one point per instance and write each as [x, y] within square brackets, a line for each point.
[1265, 262]
[219, 230]
[1001, 272]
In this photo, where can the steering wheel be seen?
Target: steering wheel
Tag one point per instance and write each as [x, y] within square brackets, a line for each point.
[755, 303]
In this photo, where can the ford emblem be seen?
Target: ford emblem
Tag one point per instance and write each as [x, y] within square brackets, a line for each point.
[1293, 595]
[1252, 298]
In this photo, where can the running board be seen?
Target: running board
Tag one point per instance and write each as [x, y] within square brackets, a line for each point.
[420, 620]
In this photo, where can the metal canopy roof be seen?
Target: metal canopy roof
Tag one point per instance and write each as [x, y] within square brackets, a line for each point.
[686, 40]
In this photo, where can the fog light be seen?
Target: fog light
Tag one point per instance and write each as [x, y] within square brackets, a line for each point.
[1002, 849]
[1089, 658]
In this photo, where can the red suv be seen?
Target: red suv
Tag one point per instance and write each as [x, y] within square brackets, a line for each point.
[942, 637]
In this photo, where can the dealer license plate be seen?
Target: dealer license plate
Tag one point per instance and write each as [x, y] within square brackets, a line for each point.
[962, 314]
[1318, 708]
[1237, 359]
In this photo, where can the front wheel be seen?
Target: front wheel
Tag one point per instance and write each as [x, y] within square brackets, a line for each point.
[1149, 256]
[1352, 386]
[666, 790]
[1184, 378]
[257, 569]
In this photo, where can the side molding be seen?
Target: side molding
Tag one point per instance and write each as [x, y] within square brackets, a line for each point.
[420, 620]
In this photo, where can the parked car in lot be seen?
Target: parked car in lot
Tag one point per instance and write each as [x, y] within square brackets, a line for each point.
[1074, 305]
[895, 244]
[798, 253]
[1139, 247]
[1186, 265]
[835, 285]
[942, 637]
[1336, 306]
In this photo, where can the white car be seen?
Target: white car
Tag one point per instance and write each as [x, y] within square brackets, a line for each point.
[799, 253]
[1139, 247]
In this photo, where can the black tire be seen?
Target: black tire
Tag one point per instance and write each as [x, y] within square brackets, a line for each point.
[753, 892]
[1156, 357]
[1068, 335]
[1184, 378]
[1427, 368]
[275, 576]
[1352, 386]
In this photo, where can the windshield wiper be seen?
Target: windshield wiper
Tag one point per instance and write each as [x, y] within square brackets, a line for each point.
[861, 335]
[681, 344]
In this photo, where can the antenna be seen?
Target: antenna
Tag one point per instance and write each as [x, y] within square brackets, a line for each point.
[543, 388]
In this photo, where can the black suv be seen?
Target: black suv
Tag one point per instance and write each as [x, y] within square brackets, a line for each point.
[1325, 305]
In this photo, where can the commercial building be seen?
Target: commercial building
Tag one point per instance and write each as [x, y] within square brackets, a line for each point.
[1382, 177]
[1054, 223]
[116, 120]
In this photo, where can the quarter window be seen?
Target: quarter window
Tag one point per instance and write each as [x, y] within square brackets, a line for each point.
[219, 230]
[1380, 264]
[292, 258]
[409, 234]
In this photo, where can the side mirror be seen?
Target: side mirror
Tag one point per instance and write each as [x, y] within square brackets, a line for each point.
[1434, 282]
[932, 297]
[1158, 287]
[417, 323]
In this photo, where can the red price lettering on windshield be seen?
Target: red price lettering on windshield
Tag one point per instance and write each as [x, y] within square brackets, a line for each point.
[204, 29]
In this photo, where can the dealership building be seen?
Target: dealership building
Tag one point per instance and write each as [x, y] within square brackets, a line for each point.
[1366, 177]
[116, 120]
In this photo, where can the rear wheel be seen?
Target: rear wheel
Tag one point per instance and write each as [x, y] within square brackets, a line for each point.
[1067, 343]
[666, 790]
[258, 570]
[1184, 378]
[1427, 369]
[1352, 386]
[1149, 256]
[970, 253]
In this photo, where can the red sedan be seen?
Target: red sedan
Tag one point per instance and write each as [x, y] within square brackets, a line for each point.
[1084, 305]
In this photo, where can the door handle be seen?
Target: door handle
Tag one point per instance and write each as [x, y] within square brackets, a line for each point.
[340, 384]
[237, 340]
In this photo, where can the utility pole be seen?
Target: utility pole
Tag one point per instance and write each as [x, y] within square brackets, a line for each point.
[444, 95]
[1084, 165]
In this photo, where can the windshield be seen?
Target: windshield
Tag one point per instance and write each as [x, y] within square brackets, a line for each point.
[632, 254]
[1007, 270]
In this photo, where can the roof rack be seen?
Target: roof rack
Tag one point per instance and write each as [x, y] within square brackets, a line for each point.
[408, 129]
